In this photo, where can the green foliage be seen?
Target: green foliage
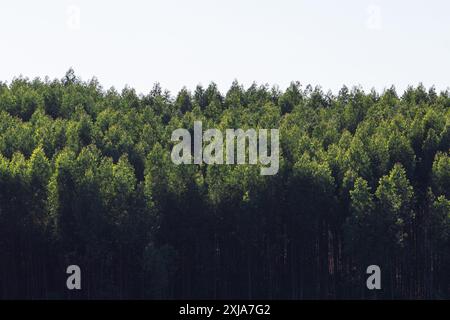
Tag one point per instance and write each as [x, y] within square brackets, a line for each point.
[441, 174]
[86, 177]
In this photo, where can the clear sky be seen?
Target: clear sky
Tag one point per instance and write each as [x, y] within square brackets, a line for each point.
[185, 43]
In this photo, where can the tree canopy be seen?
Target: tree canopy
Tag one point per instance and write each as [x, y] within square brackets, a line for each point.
[86, 178]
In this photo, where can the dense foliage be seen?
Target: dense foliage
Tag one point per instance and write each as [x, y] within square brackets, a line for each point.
[86, 178]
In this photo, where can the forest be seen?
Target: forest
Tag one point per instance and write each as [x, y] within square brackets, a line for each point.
[86, 179]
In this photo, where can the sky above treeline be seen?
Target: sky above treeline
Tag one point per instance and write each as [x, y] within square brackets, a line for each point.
[374, 44]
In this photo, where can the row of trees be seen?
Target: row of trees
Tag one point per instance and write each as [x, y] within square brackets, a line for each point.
[86, 178]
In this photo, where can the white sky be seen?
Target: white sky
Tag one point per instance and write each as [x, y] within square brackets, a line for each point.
[185, 43]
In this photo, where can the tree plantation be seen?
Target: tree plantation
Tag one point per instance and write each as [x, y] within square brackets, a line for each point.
[86, 178]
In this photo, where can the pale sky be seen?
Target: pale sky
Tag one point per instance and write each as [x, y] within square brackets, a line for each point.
[185, 43]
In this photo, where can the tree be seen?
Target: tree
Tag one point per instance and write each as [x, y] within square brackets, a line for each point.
[86, 177]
